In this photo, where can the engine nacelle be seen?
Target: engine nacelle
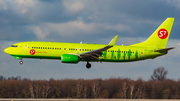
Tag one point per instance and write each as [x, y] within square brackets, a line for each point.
[69, 58]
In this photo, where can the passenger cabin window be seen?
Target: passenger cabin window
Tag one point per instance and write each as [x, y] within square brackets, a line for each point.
[53, 48]
[14, 45]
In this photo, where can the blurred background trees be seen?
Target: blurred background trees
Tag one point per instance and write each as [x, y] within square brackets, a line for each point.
[158, 87]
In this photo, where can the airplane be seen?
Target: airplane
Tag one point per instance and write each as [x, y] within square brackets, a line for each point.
[153, 47]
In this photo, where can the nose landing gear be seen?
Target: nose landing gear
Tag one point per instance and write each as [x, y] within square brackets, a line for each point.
[88, 65]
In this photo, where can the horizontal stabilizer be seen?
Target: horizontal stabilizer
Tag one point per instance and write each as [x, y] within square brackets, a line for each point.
[164, 50]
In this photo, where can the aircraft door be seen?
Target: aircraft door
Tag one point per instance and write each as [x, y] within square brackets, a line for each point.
[25, 48]
[141, 52]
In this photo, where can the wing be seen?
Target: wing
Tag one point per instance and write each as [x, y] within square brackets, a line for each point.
[95, 54]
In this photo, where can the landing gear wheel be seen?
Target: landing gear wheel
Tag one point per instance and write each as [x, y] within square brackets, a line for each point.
[88, 65]
[21, 62]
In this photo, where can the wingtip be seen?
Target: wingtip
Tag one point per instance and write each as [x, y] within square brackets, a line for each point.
[113, 41]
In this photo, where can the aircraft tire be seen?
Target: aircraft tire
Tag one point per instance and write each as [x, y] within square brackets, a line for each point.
[88, 65]
[21, 62]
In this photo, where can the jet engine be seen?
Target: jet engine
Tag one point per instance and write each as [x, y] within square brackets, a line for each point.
[69, 58]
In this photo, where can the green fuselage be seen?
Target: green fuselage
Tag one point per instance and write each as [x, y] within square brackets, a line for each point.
[54, 50]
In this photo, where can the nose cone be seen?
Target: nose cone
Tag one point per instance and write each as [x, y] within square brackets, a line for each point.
[7, 50]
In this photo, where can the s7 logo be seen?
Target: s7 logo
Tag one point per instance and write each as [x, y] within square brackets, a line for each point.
[32, 51]
[162, 33]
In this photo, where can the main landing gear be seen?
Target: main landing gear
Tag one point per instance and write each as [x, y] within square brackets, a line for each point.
[21, 62]
[88, 65]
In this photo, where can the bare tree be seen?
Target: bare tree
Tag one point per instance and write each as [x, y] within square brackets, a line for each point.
[131, 89]
[46, 89]
[166, 93]
[79, 88]
[96, 88]
[85, 91]
[31, 90]
[124, 88]
[138, 91]
[122, 93]
[159, 74]
[37, 89]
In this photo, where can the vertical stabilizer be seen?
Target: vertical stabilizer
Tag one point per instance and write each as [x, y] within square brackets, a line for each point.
[159, 38]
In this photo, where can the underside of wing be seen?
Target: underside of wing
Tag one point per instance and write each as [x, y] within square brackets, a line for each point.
[94, 55]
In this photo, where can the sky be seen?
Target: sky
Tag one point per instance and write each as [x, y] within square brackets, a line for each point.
[89, 21]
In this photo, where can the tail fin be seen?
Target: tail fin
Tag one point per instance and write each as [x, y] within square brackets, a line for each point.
[159, 38]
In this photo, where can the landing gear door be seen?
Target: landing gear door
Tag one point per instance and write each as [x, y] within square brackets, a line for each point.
[25, 48]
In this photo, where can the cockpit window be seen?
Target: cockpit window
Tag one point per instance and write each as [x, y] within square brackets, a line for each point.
[14, 46]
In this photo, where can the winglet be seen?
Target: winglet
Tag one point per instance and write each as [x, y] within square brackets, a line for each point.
[113, 41]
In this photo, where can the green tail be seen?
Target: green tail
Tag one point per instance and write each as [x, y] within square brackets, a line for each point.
[159, 38]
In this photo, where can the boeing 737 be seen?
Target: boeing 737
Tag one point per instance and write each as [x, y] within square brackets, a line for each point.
[153, 47]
